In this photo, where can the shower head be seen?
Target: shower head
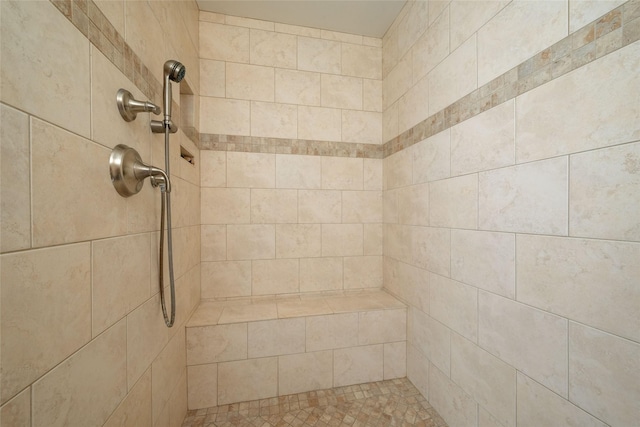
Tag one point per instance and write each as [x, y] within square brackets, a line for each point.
[174, 70]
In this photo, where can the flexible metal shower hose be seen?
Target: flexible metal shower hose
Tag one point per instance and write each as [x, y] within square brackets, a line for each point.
[166, 201]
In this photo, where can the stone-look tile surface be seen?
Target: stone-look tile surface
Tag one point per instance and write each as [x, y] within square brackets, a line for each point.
[377, 404]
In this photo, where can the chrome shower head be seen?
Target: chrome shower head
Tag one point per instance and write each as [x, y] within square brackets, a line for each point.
[174, 70]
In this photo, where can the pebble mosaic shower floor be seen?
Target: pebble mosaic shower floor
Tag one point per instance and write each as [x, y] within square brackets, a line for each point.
[377, 404]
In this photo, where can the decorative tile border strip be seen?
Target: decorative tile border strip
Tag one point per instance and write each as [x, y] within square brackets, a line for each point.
[87, 17]
[612, 31]
[254, 144]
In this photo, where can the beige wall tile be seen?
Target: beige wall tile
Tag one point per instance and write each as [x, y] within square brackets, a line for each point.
[321, 274]
[489, 380]
[58, 215]
[213, 168]
[46, 296]
[414, 282]
[332, 331]
[319, 206]
[144, 22]
[499, 50]
[178, 399]
[363, 272]
[372, 41]
[363, 127]
[298, 240]
[274, 120]
[42, 56]
[372, 95]
[99, 369]
[252, 170]
[342, 173]
[319, 55]
[274, 276]
[397, 83]
[356, 365]
[226, 279]
[390, 214]
[274, 206]
[455, 305]
[390, 122]
[114, 12]
[533, 341]
[224, 42]
[431, 338]
[341, 91]
[413, 106]
[316, 123]
[468, 17]
[212, 78]
[147, 335]
[117, 291]
[412, 25]
[603, 200]
[203, 386]
[273, 49]
[485, 260]
[135, 409]
[432, 47]
[295, 171]
[288, 308]
[432, 158]
[395, 360]
[485, 419]
[582, 280]
[361, 206]
[530, 198]
[486, 141]
[297, 87]
[600, 115]
[583, 12]
[342, 37]
[395, 238]
[539, 406]
[220, 343]
[225, 206]
[418, 370]
[276, 337]
[342, 240]
[382, 326]
[15, 193]
[298, 373]
[224, 116]
[452, 403]
[604, 375]
[373, 239]
[250, 242]
[213, 242]
[17, 412]
[362, 61]
[247, 380]
[372, 174]
[251, 82]
[454, 77]
[166, 371]
[297, 30]
[248, 22]
[454, 202]
[413, 205]
[249, 312]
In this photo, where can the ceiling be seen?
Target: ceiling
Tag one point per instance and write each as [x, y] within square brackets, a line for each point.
[364, 17]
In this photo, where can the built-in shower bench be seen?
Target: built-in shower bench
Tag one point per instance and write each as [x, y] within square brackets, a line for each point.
[256, 348]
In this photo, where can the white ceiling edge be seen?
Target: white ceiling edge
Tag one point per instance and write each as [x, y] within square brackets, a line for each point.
[370, 18]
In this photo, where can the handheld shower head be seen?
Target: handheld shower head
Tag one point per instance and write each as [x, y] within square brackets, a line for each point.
[173, 71]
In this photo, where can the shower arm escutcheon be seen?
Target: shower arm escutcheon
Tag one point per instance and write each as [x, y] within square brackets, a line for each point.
[128, 172]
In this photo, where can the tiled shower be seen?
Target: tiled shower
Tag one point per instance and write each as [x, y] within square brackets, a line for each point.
[480, 163]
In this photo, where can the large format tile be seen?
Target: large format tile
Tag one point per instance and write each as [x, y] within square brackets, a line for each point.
[224, 42]
[453, 202]
[604, 375]
[298, 240]
[467, 17]
[604, 200]
[273, 120]
[332, 331]
[298, 373]
[135, 409]
[220, 343]
[455, 305]
[87, 387]
[225, 279]
[15, 203]
[63, 164]
[46, 311]
[253, 170]
[590, 281]
[225, 116]
[319, 55]
[273, 49]
[17, 411]
[247, 380]
[454, 405]
[252, 82]
[276, 337]
[273, 206]
[591, 107]
[356, 365]
[274, 276]
[295, 171]
[531, 340]
[245, 242]
[42, 58]
[203, 385]
[529, 198]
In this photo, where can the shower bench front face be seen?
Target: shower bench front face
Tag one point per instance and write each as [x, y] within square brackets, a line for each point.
[256, 348]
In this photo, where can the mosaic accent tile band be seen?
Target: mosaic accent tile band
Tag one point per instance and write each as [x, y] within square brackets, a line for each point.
[614, 30]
